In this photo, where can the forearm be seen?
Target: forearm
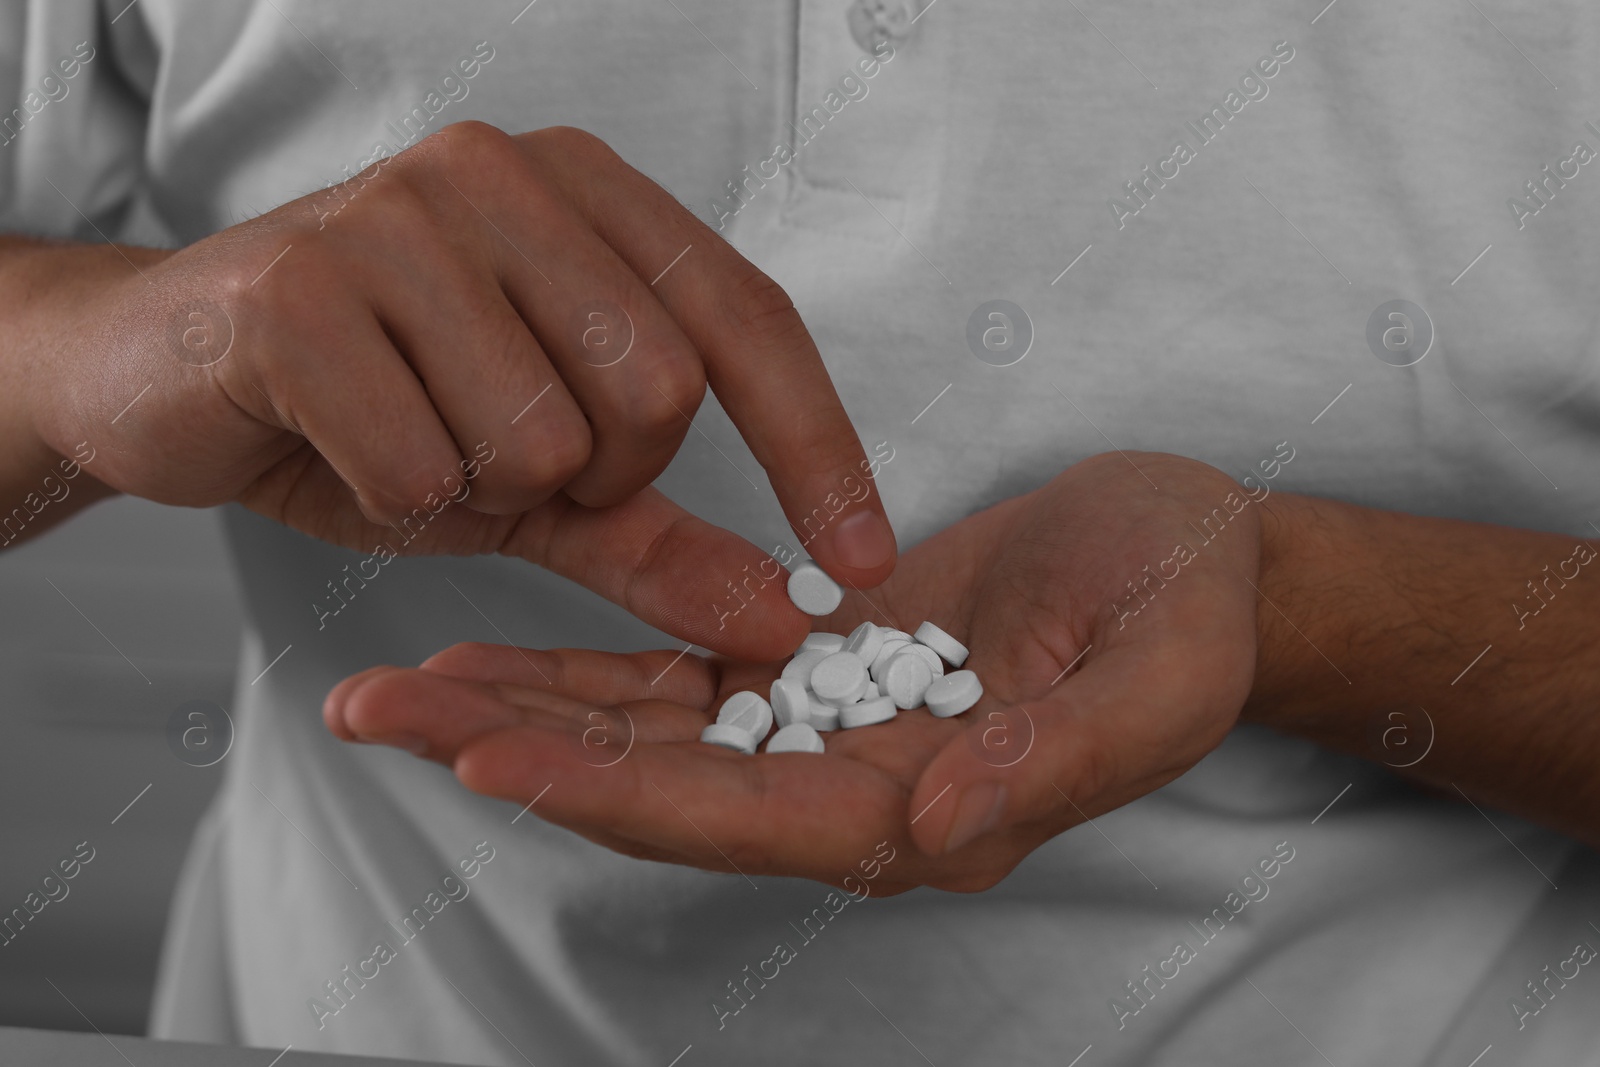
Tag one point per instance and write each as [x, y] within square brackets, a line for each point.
[1374, 621]
[45, 290]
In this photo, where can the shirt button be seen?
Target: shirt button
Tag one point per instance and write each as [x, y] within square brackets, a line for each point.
[872, 22]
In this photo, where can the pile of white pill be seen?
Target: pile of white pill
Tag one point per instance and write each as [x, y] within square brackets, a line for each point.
[836, 682]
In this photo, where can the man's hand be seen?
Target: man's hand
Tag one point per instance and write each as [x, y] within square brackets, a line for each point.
[528, 314]
[1097, 691]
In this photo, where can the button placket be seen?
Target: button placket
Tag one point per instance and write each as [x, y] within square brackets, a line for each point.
[872, 22]
[878, 153]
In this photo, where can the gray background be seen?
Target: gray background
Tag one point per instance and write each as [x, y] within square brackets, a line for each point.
[81, 733]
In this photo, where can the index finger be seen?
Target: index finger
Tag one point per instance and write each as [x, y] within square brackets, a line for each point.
[759, 358]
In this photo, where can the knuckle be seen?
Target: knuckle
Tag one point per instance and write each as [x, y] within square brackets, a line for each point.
[553, 452]
[672, 537]
[416, 496]
[570, 142]
[673, 390]
[757, 306]
[827, 448]
[464, 147]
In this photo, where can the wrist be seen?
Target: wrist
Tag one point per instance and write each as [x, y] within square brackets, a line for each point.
[54, 294]
[1376, 647]
[1313, 565]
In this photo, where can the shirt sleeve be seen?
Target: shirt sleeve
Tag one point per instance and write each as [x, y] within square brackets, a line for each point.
[72, 123]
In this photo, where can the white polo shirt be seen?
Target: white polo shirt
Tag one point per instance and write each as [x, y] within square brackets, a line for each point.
[1222, 300]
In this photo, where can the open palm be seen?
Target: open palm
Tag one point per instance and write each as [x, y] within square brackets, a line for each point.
[1093, 696]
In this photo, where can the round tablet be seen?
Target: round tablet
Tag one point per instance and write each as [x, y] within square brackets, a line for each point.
[826, 642]
[748, 712]
[889, 650]
[867, 713]
[823, 717]
[839, 679]
[864, 641]
[790, 702]
[953, 694]
[799, 668]
[796, 737]
[812, 591]
[856, 696]
[929, 656]
[906, 679]
[897, 635]
[950, 650]
[720, 733]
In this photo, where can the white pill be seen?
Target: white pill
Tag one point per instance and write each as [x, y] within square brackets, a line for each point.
[864, 641]
[954, 693]
[720, 733]
[929, 656]
[748, 712]
[824, 641]
[799, 668]
[855, 696]
[812, 591]
[950, 650]
[790, 702]
[867, 713]
[889, 650]
[897, 635]
[906, 679]
[823, 717]
[839, 679]
[796, 737]
[872, 692]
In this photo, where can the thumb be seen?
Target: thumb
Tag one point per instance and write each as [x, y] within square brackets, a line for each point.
[698, 582]
[1108, 734]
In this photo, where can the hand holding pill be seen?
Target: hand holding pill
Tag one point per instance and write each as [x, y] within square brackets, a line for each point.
[1068, 682]
[405, 383]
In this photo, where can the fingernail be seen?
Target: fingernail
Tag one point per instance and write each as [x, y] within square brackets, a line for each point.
[864, 541]
[977, 812]
[412, 743]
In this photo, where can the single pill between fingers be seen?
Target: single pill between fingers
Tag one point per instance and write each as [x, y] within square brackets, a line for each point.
[906, 679]
[790, 702]
[748, 712]
[954, 693]
[867, 713]
[720, 733]
[812, 591]
[796, 737]
[948, 648]
[822, 640]
[839, 679]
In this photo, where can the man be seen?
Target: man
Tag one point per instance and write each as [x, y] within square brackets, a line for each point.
[1080, 366]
